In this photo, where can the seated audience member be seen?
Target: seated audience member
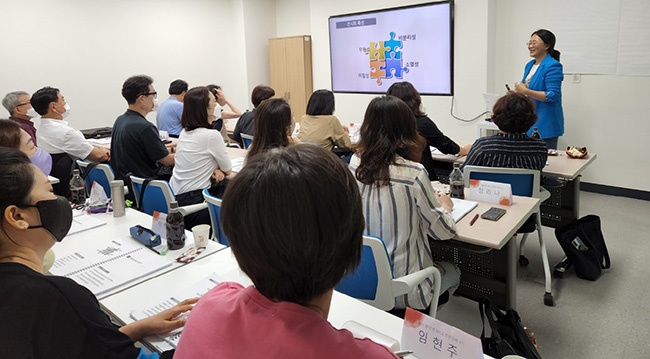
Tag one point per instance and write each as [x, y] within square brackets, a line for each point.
[400, 205]
[320, 126]
[168, 116]
[426, 127]
[246, 123]
[514, 114]
[272, 126]
[46, 316]
[135, 143]
[21, 111]
[12, 136]
[54, 134]
[201, 154]
[221, 116]
[293, 218]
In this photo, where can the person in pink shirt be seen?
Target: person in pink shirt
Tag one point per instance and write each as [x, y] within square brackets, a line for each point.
[294, 220]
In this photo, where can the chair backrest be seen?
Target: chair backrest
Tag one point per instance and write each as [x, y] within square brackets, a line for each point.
[100, 172]
[246, 140]
[524, 182]
[157, 195]
[371, 282]
[62, 165]
[214, 207]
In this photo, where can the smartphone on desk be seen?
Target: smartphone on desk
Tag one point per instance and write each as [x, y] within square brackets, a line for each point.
[493, 214]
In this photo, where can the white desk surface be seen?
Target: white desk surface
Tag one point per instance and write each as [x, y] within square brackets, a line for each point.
[106, 142]
[234, 152]
[119, 228]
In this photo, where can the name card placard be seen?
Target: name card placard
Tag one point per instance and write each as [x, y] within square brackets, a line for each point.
[158, 224]
[430, 338]
[492, 192]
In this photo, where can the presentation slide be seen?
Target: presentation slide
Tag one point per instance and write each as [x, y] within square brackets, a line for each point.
[370, 51]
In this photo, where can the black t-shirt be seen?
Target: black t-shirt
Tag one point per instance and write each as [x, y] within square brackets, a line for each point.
[245, 125]
[435, 138]
[54, 317]
[135, 146]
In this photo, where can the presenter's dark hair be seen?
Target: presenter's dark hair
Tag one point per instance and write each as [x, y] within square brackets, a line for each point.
[135, 86]
[406, 92]
[213, 89]
[177, 87]
[10, 134]
[321, 102]
[294, 220]
[388, 130]
[272, 125]
[261, 93]
[42, 99]
[514, 113]
[549, 39]
[195, 108]
[16, 178]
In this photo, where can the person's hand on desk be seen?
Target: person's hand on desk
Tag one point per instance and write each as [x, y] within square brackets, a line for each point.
[464, 150]
[218, 175]
[161, 323]
[99, 155]
[445, 201]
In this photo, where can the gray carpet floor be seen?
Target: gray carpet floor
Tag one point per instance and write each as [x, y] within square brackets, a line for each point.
[608, 318]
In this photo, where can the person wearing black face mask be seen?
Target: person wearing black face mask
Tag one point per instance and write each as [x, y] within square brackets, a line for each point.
[50, 316]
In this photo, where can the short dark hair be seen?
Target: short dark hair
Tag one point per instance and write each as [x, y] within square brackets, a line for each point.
[261, 93]
[514, 113]
[9, 134]
[272, 121]
[388, 130]
[294, 220]
[321, 102]
[135, 86]
[406, 92]
[177, 87]
[42, 99]
[16, 178]
[549, 39]
[213, 89]
[195, 108]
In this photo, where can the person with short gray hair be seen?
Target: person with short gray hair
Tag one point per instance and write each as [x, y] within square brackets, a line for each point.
[21, 111]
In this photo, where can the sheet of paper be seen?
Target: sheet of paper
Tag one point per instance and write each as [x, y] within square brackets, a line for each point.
[83, 222]
[237, 164]
[461, 208]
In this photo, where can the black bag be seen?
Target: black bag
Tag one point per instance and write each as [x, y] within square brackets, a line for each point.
[507, 333]
[584, 245]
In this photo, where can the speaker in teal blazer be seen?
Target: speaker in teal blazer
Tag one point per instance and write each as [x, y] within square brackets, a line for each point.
[547, 78]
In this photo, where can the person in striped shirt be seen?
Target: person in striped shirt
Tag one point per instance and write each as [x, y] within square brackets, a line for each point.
[399, 204]
[514, 114]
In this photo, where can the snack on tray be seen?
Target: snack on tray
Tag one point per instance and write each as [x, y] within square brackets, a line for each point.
[576, 152]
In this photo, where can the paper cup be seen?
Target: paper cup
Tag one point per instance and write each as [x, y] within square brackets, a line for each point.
[201, 235]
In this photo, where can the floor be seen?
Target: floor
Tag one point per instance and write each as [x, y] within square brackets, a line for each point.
[608, 318]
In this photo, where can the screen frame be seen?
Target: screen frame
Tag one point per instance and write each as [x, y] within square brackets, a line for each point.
[451, 44]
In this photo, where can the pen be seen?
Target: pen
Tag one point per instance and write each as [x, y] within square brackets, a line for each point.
[471, 223]
[403, 353]
[153, 249]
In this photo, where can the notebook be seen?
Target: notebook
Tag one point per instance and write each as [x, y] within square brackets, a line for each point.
[461, 208]
[83, 222]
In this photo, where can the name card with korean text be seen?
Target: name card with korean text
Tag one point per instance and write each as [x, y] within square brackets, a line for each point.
[492, 192]
[430, 338]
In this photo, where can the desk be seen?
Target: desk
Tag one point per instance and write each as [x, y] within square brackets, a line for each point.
[106, 143]
[119, 228]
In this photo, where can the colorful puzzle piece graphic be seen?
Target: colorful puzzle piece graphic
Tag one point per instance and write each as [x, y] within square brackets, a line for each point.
[392, 46]
[377, 51]
[394, 68]
[376, 70]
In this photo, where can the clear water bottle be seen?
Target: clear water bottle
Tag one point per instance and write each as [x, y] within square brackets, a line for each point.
[77, 188]
[535, 133]
[457, 183]
[175, 227]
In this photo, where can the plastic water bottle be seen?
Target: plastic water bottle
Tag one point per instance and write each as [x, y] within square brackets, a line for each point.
[117, 196]
[457, 183]
[175, 227]
[77, 188]
[535, 133]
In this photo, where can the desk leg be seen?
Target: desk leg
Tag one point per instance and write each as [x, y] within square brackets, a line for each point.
[511, 278]
[576, 197]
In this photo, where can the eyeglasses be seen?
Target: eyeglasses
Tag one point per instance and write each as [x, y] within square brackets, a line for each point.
[532, 43]
[155, 94]
[22, 104]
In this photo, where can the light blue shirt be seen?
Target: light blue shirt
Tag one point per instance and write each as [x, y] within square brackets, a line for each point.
[168, 117]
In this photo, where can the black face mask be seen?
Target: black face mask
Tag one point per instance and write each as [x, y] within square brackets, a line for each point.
[56, 216]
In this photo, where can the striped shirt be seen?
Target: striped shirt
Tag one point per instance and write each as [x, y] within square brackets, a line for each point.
[508, 150]
[403, 214]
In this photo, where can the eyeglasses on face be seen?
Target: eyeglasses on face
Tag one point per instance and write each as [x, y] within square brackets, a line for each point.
[155, 94]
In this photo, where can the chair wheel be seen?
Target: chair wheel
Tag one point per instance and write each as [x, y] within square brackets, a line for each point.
[523, 261]
[548, 299]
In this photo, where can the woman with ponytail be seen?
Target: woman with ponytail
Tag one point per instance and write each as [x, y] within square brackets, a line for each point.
[542, 83]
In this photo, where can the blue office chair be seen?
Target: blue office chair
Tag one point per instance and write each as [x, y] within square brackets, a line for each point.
[214, 207]
[100, 172]
[374, 284]
[247, 140]
[524, 182]
[157, 197]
